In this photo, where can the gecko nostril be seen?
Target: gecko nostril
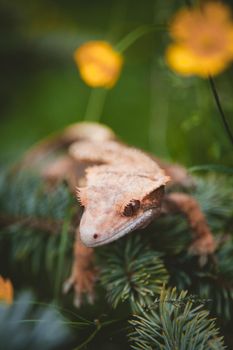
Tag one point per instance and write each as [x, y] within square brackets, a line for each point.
[95, 236]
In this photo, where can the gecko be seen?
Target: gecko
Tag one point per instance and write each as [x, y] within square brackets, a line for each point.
[120, 188]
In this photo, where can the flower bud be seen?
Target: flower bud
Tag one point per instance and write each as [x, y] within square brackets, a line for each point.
[99, 64]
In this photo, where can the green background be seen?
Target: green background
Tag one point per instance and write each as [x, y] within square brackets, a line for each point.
[150, 107]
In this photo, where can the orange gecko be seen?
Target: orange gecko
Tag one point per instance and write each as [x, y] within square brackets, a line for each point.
[121, 189]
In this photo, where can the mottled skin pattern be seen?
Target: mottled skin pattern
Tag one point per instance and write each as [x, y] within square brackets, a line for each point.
[120, 188]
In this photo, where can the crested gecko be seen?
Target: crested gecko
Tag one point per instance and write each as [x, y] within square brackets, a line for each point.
[120, 188]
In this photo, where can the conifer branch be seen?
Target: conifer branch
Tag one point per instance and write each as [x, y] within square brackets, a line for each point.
[132, 273]
[174, 322]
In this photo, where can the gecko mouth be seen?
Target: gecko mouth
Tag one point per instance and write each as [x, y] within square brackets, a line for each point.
[142, 220]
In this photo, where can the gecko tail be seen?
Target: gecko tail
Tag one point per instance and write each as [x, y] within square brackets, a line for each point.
[57, 143]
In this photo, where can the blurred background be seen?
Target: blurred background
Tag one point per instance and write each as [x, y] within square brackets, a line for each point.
[150, 107]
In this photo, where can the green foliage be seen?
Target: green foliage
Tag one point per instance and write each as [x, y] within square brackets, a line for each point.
[174, 322]
[132, 272]
[36, 239]
[215, 195]
[214, 281]
[172, 234]
[150, 107]
[32, 219]
[23, 195]
[22, 327]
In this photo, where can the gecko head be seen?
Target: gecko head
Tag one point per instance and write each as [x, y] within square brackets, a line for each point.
[112, 211]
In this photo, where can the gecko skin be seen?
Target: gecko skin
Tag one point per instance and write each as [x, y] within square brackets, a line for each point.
[121, 189]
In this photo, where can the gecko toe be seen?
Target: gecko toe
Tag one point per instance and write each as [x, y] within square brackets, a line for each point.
[91, 298]
[67, 285]
[78, 300]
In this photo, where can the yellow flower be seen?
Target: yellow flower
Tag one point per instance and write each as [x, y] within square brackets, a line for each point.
[6, 291]
[99, 64]
[203, 40]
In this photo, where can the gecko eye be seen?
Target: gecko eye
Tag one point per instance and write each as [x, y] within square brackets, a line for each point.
[131, 208]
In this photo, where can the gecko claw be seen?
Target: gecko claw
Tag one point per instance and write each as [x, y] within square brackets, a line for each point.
[83, 283]
[77, 301]
[203, 247]
[67, 285]
[91, 298]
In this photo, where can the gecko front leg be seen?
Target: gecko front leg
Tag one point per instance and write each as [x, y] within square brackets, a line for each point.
[83, 274]
[203, 242]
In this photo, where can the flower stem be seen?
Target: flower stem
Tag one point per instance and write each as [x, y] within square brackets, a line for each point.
[95, 104]
[61, 254]
[136, 34]
[89, 339]
[220, 109]
[98, 95]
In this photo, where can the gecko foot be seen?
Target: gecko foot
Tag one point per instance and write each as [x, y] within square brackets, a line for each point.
[203, 247]
[83, 283]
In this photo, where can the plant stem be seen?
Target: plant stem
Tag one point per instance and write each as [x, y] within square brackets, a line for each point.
[95, 104]
[61, 254]
[211, 167]
[98, 95]
[98, 327]
[220, 109]
[136, 34]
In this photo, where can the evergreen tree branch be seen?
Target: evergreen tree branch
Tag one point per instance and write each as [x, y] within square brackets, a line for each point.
[132, 268]
[174, 322]
[23, 327]
[132, 272]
